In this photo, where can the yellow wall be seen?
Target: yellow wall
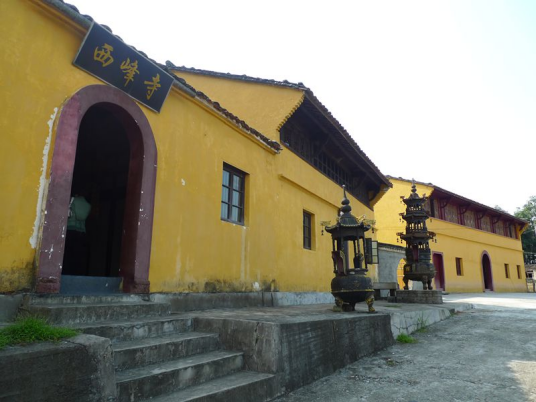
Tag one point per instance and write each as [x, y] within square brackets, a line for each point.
[455, 241]
[264, 107]
[192, 248]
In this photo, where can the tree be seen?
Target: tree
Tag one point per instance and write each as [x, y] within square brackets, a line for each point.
[528, 238]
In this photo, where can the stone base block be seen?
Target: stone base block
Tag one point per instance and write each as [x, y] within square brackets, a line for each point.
[418, 296]
[298, 344]
[78, 369]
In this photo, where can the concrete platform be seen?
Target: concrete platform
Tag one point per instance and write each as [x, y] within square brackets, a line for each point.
[300, 344]
[484, 354]
[291, 346]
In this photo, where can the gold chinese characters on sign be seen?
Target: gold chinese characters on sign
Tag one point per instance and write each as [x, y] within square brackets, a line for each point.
[129, 69]
[152, 86]
[104, 55]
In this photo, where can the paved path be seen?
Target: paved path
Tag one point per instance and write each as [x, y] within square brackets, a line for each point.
[485, 354]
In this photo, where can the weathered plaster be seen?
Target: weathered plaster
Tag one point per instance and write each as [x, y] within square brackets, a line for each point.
[42, 181]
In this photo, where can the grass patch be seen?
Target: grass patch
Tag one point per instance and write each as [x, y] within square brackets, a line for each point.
[29, 330]
[405, 338]
[422, 324]
[392, 306]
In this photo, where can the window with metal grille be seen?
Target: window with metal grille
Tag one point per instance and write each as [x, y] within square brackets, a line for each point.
[307, 232]
[232, 195]
[325, 163]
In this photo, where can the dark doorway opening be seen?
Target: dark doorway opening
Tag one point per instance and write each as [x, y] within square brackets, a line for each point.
[439, 279]
[100, 175]
[486, 273]
[135, 248]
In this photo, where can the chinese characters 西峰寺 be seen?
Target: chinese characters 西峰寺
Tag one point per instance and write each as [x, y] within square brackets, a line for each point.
[104, 55]
[129, 69]
[152, 86]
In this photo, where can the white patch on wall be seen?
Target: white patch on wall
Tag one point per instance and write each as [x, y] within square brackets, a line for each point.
[243, 256]
[256, 286]
[42, 181]
[183, 182]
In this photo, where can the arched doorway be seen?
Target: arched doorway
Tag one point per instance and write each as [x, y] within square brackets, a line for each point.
[486, 272]
[114, 164]
[100, 176]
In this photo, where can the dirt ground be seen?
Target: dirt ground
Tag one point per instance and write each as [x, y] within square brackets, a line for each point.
[484, 354]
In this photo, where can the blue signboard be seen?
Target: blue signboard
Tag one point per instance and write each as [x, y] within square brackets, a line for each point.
[111, 60]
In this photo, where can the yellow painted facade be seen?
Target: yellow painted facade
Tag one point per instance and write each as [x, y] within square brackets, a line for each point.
[456, 241]
[262, 106]
[192, 248]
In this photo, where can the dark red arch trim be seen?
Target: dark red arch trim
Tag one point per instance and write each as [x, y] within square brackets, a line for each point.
[138, 219]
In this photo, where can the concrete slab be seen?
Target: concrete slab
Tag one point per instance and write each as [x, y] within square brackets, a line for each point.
[303, 343]
[77, 369]
[494, 300]
[483, 354]
[9, 306]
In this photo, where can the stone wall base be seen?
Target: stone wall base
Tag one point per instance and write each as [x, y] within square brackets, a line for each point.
[417, 296]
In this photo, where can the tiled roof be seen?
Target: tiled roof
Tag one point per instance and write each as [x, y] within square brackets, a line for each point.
[238, 77]
[85, 20]
[308, 94]
[441, 190]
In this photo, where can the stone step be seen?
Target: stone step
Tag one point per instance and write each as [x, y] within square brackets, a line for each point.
[87, 299]
[85, 313]
[143, 352]
[163, 378]
[244, 386]
[90, 285]
[127, 330]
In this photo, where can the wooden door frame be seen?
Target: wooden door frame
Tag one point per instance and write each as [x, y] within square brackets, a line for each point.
[442, 279]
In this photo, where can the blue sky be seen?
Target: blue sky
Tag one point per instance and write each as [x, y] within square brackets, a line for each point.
[439, 91]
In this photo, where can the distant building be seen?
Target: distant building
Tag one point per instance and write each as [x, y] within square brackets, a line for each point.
[478, 248]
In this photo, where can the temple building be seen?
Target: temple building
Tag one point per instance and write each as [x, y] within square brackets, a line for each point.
[123, 173]
[477, 248]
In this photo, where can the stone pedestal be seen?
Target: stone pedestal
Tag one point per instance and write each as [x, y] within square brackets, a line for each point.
[417, 296]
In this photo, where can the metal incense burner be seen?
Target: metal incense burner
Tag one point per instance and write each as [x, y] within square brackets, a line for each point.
[350, 285]
[418, 266]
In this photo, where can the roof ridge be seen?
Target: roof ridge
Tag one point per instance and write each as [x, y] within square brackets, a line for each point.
[242, 77]
[459, 196]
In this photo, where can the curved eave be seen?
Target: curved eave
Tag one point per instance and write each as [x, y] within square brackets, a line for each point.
[339, 132]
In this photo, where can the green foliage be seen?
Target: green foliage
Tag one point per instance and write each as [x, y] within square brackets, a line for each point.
[422, 323]
[405, 338]
[528, 213]
[31, 329]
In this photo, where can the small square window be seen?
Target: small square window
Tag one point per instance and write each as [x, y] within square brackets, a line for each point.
[459, 267]
[307, 231]
[506, 271]
[371, 251]
[232, 195]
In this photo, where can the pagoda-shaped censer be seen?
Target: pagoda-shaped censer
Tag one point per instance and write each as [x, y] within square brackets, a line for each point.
[350, 285]
[418, 266]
